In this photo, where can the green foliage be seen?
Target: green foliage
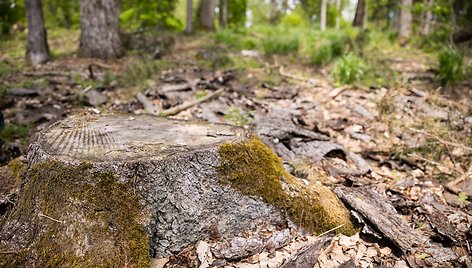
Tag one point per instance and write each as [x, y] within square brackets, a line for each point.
[238, 117]
[462, 198]
[226, 36]
[423, 256]
[12, 132]
[325, 52]
[237, 13]
[450, 67]
[141, 73]
[280, 43]
[349, 69]
[294, 19]
[235, 38]
[61, 13]
[141, 14]
[11, 12]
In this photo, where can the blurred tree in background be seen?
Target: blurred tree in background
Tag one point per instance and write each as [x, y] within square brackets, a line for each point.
[11, 12]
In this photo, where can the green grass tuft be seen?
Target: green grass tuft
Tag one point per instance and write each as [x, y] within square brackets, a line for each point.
[349, 69]
[450, 67]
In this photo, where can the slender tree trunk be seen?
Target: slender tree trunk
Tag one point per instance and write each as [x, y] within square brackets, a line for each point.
[273, 11]
[223, 13]
[338, 16]
[323, 15]
[189, 27]
[360, 11]
[207, 14]
[99, 37]
[37, 50]
[427, 18]
[405, 21]
[453, 22]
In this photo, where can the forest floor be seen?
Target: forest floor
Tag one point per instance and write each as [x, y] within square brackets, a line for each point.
[414, 140]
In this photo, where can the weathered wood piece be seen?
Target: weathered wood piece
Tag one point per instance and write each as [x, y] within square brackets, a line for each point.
[383, 216]
[115, 190]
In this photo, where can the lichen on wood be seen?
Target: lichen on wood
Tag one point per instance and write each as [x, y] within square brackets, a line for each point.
[76, 217]
[253, 169]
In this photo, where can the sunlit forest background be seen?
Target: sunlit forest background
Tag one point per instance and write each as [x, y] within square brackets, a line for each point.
[363, 43]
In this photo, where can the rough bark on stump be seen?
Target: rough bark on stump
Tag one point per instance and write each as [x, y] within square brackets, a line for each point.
[112, 191]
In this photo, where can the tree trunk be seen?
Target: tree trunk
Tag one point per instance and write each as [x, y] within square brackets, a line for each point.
[112, 191]
[188, 27]
[273, 12]
[359, 17]
[223, 13]
[338, 16]
[207, 14]
[37, 50]
[427, 18]
[323, 15]
[99, 37]
[405, 22]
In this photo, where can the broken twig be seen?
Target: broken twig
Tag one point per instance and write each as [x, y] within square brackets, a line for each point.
[177, 109]
[48, 217]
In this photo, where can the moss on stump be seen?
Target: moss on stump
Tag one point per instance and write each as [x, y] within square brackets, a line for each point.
[77, 217]
[253, 169]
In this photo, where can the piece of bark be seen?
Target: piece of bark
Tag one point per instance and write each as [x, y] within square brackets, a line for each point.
[307, 257]
[22, 92]
[278, 124]
[102, 188]
[241, 247]
[381, 214]
[95, 98]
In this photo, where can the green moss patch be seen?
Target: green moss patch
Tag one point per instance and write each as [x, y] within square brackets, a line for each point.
[77, 217]
[253, 169]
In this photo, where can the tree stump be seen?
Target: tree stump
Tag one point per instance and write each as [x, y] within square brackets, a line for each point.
[114, 191]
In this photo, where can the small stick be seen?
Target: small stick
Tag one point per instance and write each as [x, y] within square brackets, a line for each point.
[47, 217]
[452, 186]
[8, 252]
[330, 230]
[441, 140]
[177, 109]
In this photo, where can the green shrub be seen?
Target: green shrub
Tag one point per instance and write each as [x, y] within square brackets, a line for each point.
[294, 19]
[280, 43]
[13, 132]
[349, 68]
[225, 36]
[326, 52]
[450, 67]
[322, 55]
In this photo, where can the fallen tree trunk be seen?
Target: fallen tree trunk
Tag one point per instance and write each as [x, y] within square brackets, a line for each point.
[113, 191]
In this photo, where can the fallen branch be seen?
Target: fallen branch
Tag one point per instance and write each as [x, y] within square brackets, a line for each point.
[177, 109]
[296, 77]
[434, 163]
[441, 140]
[50, 73]
[452, 186]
